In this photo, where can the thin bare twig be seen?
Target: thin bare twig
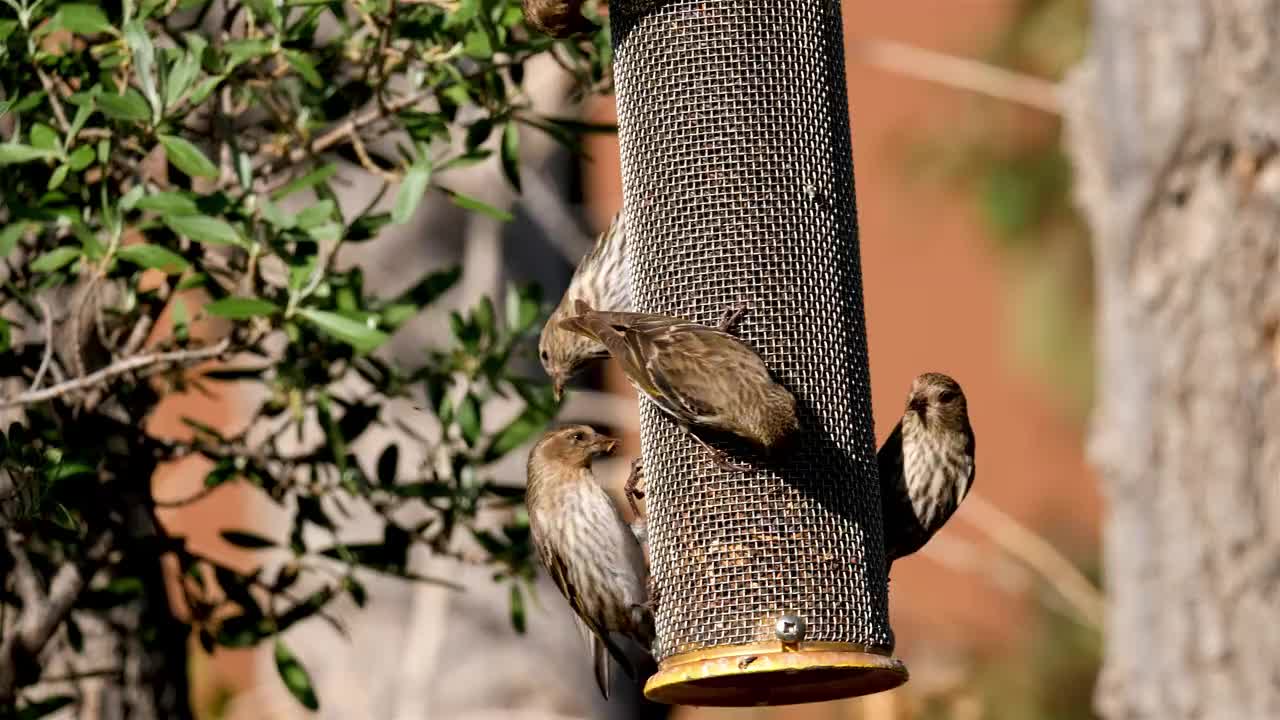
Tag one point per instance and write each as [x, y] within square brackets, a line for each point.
[43, 613]
[117, 368]
[963, 73]
[48, 344]
[1038, 554]
[25, 580]
[348, 128]
[55, 100]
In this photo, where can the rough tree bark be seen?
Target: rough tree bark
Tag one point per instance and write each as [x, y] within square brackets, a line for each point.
[1173, 124]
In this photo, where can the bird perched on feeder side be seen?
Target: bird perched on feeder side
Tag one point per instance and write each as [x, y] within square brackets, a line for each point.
[926, 465]
[557, 18]
[588, 549]
[602, 280]
[699, 375]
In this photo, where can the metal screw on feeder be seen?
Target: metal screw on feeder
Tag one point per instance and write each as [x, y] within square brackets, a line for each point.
[790, 629]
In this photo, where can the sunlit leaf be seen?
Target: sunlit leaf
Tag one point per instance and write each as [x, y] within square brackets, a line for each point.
[357, 334]
[154, 257]
[55, 259]
[204, 229]
[412, 188]
[83, 19]
[187, 157]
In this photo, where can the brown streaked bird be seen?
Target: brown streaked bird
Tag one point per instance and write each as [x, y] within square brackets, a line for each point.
[602, 280]
[926, 465]
[591, 553]
[701, 376]
[557, 18]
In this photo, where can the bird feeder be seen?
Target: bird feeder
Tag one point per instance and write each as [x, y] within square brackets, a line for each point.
[738, 184]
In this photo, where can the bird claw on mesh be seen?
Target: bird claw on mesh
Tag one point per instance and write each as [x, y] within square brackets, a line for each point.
[731, 317]
[652, 603]
[633, 492]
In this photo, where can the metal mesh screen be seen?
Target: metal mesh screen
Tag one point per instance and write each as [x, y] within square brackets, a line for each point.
[738, 184]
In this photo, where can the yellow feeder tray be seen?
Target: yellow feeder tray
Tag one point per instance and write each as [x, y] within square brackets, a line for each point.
[773, 673]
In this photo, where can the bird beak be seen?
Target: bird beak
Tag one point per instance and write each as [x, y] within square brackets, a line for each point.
[604, 446]
[919, 405]
[557, 388]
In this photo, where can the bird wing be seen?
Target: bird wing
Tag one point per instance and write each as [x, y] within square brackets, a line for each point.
[591, 626]
[895, 506]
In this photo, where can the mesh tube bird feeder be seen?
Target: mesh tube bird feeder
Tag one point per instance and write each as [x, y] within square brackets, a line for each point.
[738, 184]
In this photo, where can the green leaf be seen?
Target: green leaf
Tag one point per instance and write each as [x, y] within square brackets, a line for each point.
[358, 335]
[14, 154]
[469, 419]
[244, 630]
[83, 19]
[478, 45]
[144, 61]
[204, 229]
[187, 157]
[295, 677]
[522, 306]
[517, 609]
[59, 175]
[240, 308]
[81, 158]
[248, 540]
[303, 65]
[315, 177]
[6, 341]
[511, 154]
[204, 88]
[11, 234]
[168, 203]
[181, 75]
[44, 137]
[239, 51]
[469, 203]
[181, 321]
[154, 257]
[275, 215]
[130, 107]
[314, 215]
[412, 188]
[55, 259]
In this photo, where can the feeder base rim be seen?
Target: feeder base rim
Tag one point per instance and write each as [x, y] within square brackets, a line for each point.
[771, 673]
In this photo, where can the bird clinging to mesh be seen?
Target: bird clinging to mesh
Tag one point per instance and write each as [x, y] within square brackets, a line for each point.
[602, 280]
[557, 18]
[926, 465]
[591, 553]
[699, 375]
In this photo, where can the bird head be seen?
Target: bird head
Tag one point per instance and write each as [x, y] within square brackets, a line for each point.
[937, 398]
[576, 445]
[563, 352]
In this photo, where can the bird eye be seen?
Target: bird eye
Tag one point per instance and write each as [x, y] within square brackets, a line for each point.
[947, 396]
[545, 356]
[578, 437]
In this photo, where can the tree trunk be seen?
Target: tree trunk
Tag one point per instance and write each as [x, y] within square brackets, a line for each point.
[1173, 121]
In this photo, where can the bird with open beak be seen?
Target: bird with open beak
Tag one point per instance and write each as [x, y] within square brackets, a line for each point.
[591, 553]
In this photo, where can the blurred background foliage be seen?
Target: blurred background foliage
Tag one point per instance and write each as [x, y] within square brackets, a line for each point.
[1010, 160]
[169, 198]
